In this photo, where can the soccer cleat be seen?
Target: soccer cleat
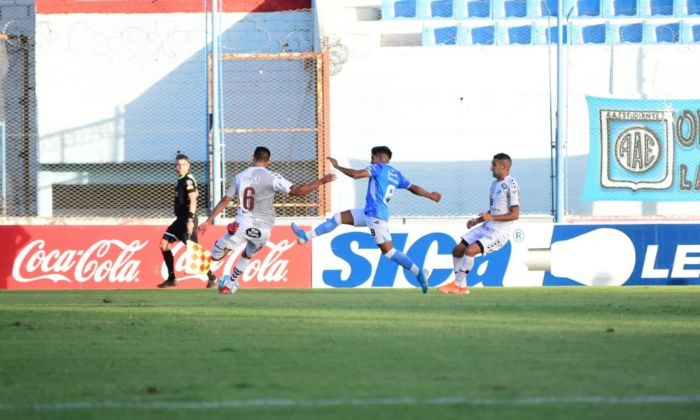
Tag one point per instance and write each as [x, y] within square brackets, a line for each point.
[169, 282]
[211, 280]
[234, 287]
[423, 279]
[452, 288]
[301, 235]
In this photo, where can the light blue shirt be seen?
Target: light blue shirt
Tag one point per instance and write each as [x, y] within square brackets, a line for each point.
[383, 181]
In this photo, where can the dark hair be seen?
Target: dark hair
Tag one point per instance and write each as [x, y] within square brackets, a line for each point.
[381, 150]
[502, 156]
[261, 154]
[181, 156]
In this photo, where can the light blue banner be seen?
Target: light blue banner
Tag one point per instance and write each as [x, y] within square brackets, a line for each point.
[643, 150]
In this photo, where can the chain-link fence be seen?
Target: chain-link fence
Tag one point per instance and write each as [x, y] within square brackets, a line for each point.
[278, 100]
[95, 108]
[17, 123]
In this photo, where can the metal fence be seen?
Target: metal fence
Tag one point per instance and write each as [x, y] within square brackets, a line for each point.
[278, 100]
[102, 144]
[630, 126]
[17, 120]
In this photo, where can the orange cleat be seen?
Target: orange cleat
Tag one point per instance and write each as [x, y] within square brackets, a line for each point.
[452, 288]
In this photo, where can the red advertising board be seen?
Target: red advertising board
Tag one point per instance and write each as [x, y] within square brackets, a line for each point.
[167, 6]
[129, 257]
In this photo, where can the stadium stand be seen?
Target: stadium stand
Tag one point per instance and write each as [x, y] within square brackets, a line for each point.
[533, 22]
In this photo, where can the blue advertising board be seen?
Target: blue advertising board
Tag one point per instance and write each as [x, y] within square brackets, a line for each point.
[538, 254]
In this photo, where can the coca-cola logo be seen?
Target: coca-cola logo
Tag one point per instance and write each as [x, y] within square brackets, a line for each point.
[271, 268]
[108, 260]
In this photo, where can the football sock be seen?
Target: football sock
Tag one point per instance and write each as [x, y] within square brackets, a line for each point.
[465, 265]
[240, 267]
[456, 262]
[401, 259]
[169, 263]
[325, 227]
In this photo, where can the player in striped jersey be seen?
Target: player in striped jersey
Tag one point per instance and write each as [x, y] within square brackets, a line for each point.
[255, 188]
[384, 179]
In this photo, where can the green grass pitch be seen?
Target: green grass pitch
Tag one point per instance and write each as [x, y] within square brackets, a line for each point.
[554, 352]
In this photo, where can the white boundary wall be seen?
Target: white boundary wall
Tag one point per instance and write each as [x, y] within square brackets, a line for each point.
[428, 103]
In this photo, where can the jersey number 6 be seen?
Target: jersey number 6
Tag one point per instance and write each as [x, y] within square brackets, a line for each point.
[248, 198]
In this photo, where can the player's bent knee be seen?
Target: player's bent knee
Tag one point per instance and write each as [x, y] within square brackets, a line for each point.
[459, 250]
[219, 251]
[390, 253]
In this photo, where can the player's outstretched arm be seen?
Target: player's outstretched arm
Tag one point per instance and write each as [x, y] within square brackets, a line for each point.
[304, 189]
[415, 189]
[223, 203]
[352, 173]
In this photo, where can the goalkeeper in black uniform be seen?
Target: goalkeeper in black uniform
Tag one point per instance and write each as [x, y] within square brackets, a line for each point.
[185, 225]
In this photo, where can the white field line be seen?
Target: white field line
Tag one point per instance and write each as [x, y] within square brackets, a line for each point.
[363, 402]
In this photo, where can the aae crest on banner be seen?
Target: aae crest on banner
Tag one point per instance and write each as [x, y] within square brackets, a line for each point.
[643, 150]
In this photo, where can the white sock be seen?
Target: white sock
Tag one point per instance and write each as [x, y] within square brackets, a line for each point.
[240, 267]
[461, 279]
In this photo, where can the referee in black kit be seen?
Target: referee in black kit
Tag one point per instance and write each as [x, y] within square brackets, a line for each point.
[185, 225]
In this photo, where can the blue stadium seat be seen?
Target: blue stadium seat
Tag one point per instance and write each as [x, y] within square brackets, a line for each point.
[669, 32]
[428, 9]
[594, 34]
[479, 8]
[588, 8]
[631, 33]
[624, 7]
[695, 33]
[520, 34]
[515, 8]
[660, 7]
[553, 35]
[484, 35]
[549, 8]
[432, 35]
[392, 9]
[693, 7]
[446, 35]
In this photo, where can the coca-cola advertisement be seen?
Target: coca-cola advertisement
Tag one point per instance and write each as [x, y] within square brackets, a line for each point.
[129, 257]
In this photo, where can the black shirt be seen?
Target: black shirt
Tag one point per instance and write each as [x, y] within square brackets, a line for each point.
[185, 185]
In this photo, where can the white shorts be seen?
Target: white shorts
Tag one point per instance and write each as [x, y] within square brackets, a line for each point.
[491, 239]
[254, 238]
[378, 228]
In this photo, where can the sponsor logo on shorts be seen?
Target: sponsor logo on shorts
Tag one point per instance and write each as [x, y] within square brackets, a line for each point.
[253, 232]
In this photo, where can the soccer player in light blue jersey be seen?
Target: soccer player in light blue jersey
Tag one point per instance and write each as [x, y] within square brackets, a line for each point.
[384, 180]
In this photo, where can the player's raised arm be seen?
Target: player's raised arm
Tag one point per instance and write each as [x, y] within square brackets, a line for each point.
[352, 173]
[417, 190]
[304, 189]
